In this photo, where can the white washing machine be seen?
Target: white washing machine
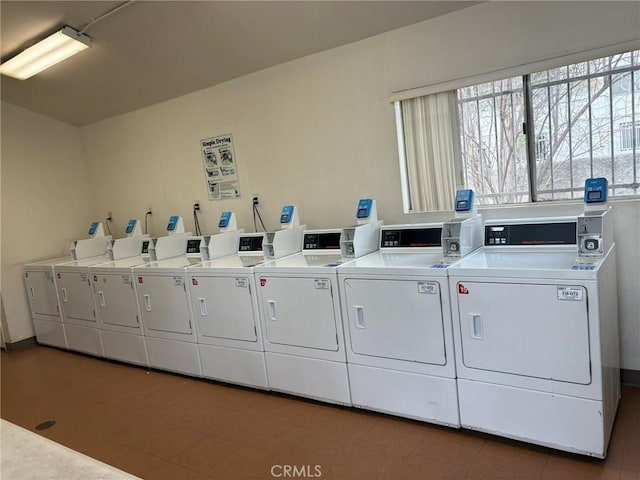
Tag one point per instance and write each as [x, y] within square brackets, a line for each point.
[223, 301]
[536, 337]
[395, 306]
[301, 319]
[161, 289]
[41, 288]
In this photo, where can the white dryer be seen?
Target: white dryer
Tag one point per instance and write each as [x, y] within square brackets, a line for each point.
[41, 288]
[223, 301]
[536, 337]
[301, 318]
[43, 302]
[161, 289]
[115, 299]
[395, 306]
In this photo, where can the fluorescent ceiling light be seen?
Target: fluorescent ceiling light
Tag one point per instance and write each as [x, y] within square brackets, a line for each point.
[53, 49]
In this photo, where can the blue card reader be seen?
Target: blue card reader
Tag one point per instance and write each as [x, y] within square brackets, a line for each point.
[595, 190]
[131, 226]
[173, 223]
[464, 201]
[225, 218]
[93, 228]
[364, 208]
[287, 214]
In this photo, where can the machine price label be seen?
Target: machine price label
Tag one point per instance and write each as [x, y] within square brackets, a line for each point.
[84, 277]
[322, 284]
[427, 287]
[178, 281]
[242, 283]
[126, 279]
[571, 293]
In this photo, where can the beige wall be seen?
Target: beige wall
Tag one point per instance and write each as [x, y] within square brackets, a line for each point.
[319, 131]
[46, 202]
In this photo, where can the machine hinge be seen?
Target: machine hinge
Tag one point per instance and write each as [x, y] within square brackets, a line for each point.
[57, 309]
[184, 287]
[255, 331]
[137, 320]
[337, 343]
[89, 281]
[190, 327]
[94, 313]
[131, 285]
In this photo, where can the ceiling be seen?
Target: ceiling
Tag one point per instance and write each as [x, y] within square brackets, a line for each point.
[151, 51]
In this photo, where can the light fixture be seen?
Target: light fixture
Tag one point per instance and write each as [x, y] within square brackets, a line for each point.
[47, 52]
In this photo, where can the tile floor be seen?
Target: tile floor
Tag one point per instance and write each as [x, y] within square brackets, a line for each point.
[161, 426]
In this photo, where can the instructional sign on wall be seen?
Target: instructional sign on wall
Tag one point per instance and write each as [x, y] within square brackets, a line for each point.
[220, 169]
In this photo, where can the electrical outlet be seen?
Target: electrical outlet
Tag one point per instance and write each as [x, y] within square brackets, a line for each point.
[196, 206]
[109, 217]
[149, 211]
[256, 200]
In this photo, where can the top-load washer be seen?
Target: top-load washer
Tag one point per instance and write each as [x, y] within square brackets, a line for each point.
[300, 313]
[222, 290]
[164, 303]
[397, 320]
[536, 332]
[41, 288]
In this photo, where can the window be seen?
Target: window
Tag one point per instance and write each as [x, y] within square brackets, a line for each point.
[538, 137]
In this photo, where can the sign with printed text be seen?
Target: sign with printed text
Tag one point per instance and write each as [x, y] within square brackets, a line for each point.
[571, 293]
[427, 287]
[220, 167]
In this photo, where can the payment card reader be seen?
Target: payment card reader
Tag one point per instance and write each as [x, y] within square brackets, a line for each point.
[289, 217]
[171, 245]
[594, 226]
[96, 230]
[133, 228]
[463, 234]
[465, 204]
[288, 239]
[362, 239]
[175, 225]
[129, 246]
[224, 243]
[93, 246]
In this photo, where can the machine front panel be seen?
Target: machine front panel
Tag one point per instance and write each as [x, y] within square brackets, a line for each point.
[223, 307]
[299, 312]
[163, 303]
[531, 330]
[397, 319]
[41, 291]
[116, 300]
[76, 297]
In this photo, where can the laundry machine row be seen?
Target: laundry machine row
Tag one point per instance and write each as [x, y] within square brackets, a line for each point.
[389, 324]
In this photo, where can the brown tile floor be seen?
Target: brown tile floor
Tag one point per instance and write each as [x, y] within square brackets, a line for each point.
[163, 426]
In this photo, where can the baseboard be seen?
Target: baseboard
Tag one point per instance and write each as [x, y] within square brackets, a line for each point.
[22, 344]
[630, 377]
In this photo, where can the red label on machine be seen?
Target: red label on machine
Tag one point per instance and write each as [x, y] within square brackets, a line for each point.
[140, 280]
[462, 290]
[194, 281]
[59, 276]
[263, 282]
[95, 278]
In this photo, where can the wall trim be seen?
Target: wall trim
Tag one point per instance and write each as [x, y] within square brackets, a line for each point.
[630, 377]
[26, 343]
